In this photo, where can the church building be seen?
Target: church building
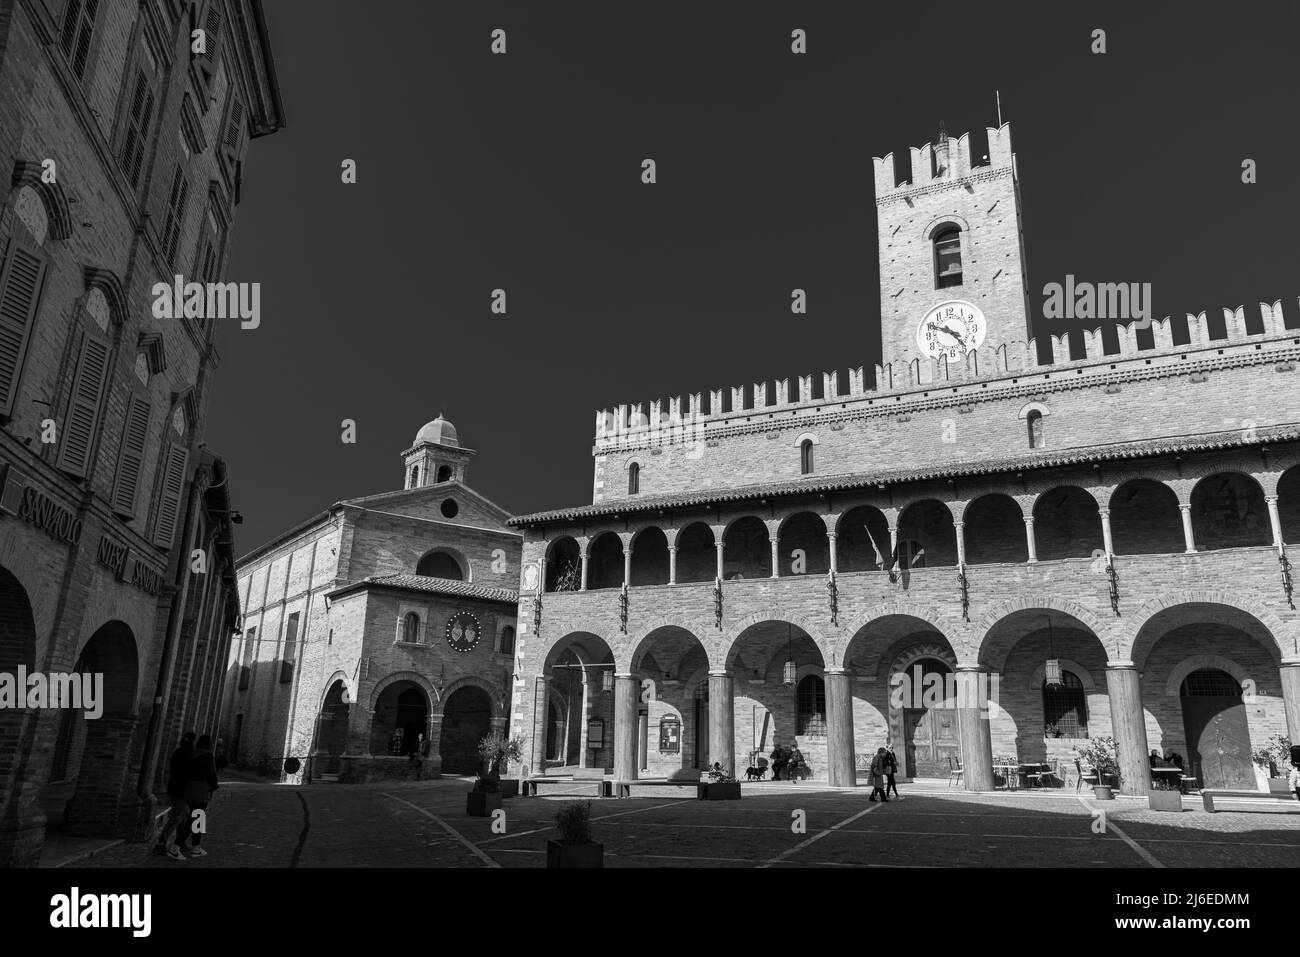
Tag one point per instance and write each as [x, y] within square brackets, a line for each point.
[1072, 536]
[380, 628]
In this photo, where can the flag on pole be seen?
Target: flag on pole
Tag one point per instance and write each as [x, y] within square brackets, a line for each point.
[880, 560]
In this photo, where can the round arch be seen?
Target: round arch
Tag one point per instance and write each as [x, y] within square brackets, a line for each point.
[985, 624]
[412, 676]
[725, 648]
[474, 681]
[1035, 684]
[940, 223]
[1277, 630]
[1196, 663]
[443, 561]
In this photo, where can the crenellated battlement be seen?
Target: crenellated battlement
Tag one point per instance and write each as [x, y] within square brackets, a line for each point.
[658, 424]
[941, 163]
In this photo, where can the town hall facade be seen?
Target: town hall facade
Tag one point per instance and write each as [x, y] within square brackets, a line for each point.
[1094, 528]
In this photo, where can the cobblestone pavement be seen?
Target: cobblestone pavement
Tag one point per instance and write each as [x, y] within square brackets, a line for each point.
[424, 824]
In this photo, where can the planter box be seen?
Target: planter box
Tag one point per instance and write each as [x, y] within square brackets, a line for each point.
[1165, 801]
[482, 803]
[591, 854]
[1103, 793]
[720, 792]
[1278, 786]
[510, 788]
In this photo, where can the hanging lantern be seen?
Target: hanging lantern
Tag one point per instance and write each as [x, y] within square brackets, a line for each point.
[788, 674]
[607, 681]
[1052, 670]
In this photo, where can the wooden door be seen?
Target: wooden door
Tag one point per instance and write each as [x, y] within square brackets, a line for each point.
[1219, 741]
[930, 739]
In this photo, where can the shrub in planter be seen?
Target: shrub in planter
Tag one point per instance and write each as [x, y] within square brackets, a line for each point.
[1103, 756]
[575, 848]
[718, 785]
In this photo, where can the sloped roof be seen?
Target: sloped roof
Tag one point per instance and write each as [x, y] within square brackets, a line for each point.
[848, 481]
[433, 586]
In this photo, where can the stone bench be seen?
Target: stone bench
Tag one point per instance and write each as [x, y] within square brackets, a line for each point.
[579, 787]
[1208, 796]
[683, 783]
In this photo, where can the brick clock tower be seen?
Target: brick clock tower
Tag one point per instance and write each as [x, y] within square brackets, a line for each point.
[952, 258]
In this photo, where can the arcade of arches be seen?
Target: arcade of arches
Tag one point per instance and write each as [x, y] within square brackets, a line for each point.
[1207, 681]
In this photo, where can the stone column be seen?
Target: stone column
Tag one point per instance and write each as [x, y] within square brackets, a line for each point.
[839, 728]
[1106, 541]
[1290, 672]
[1188, 537]
[642, 741]
[627, 697]
[541, 715]
[1030, 545]
[583, 557]
[672, 564]
[722, 722]
[973, 727]
[719, 546]
[830, 541]
[960, 529]
[1276, 521]
[776, 558]
[1129, 725]
[434, 759]
[627, 565]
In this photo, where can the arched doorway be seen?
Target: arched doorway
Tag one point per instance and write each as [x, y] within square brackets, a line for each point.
[1218, 736]
[96, 753]
[923, 693]
[401, 716]
[466, 720]
[332, 728]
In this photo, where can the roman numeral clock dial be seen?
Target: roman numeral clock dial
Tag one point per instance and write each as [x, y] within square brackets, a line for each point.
[951, 329]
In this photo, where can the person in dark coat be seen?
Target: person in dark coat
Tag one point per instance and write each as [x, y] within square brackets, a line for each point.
[179, 812]
[891, 768]
[199, 785]
[779, 760]
[796, 768]
[878, 777]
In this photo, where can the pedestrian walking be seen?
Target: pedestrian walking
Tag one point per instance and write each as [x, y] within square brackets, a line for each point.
[891, 768]
[199, 785]
[178, 814]
[878, 776]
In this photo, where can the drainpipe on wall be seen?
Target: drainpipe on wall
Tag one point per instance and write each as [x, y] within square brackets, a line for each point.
[153, 740]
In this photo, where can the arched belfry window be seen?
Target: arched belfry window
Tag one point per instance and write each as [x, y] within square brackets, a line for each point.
[411, 628]
[1034, 422]
[806, 457]
[633, 479]
[947, 257]
[444, 473]
[415, 477]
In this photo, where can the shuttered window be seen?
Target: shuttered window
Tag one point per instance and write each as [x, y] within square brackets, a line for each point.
[130, 456]
[232, 133]
[82, 421]
[176, 205]
[78, 28]
[169, 506]
[137, 128]
[210, 21]
[21, 277]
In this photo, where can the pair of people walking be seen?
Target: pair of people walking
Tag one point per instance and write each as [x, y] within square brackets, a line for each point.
[883, 768]
[191, 779]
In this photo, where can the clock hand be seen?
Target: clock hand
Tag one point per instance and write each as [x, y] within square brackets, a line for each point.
[955, 335]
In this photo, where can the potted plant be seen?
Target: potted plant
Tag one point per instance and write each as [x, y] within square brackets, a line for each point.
[1103, 756]
[497, 752]
[1271, 762]
[719, 786]
[1165, 796]
[575, 848]
[485, 797]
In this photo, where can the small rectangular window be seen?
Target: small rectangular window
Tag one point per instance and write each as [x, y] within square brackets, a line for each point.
[176, 205]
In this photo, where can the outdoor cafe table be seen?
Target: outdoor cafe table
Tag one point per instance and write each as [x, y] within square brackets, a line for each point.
[1010, 775]
[1034, 768]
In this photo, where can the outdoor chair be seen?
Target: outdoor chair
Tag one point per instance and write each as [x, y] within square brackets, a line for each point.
[955, 771]
[1087, 775]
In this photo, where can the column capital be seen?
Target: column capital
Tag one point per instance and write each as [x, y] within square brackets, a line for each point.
[835, 671]
[1185, 506]
[1291, 662]
[624, 677]
[1120, 666]
[1103, 511]
[720, 674]
[1029, 520]
[972, 669]
[1270, 499]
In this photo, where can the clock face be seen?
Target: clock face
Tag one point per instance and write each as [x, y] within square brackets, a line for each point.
[951, 329]
[463, 631]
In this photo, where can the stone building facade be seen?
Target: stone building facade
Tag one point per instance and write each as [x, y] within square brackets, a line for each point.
[383, 626]
[121, 152]
[774, 568]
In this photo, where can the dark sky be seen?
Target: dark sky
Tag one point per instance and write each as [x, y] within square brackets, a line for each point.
[523, 172]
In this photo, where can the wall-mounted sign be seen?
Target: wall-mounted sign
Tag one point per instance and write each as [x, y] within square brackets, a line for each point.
[127, 566]
[530, 577]
[670, 735]
[37, 509]
[596, 733]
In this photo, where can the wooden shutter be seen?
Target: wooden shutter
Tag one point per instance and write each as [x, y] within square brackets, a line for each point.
[83, 413]
[71, 16]
[20, 287]
[85, 30]
[211, 42]
[173, 485]
[137, 128]
[130, 456]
